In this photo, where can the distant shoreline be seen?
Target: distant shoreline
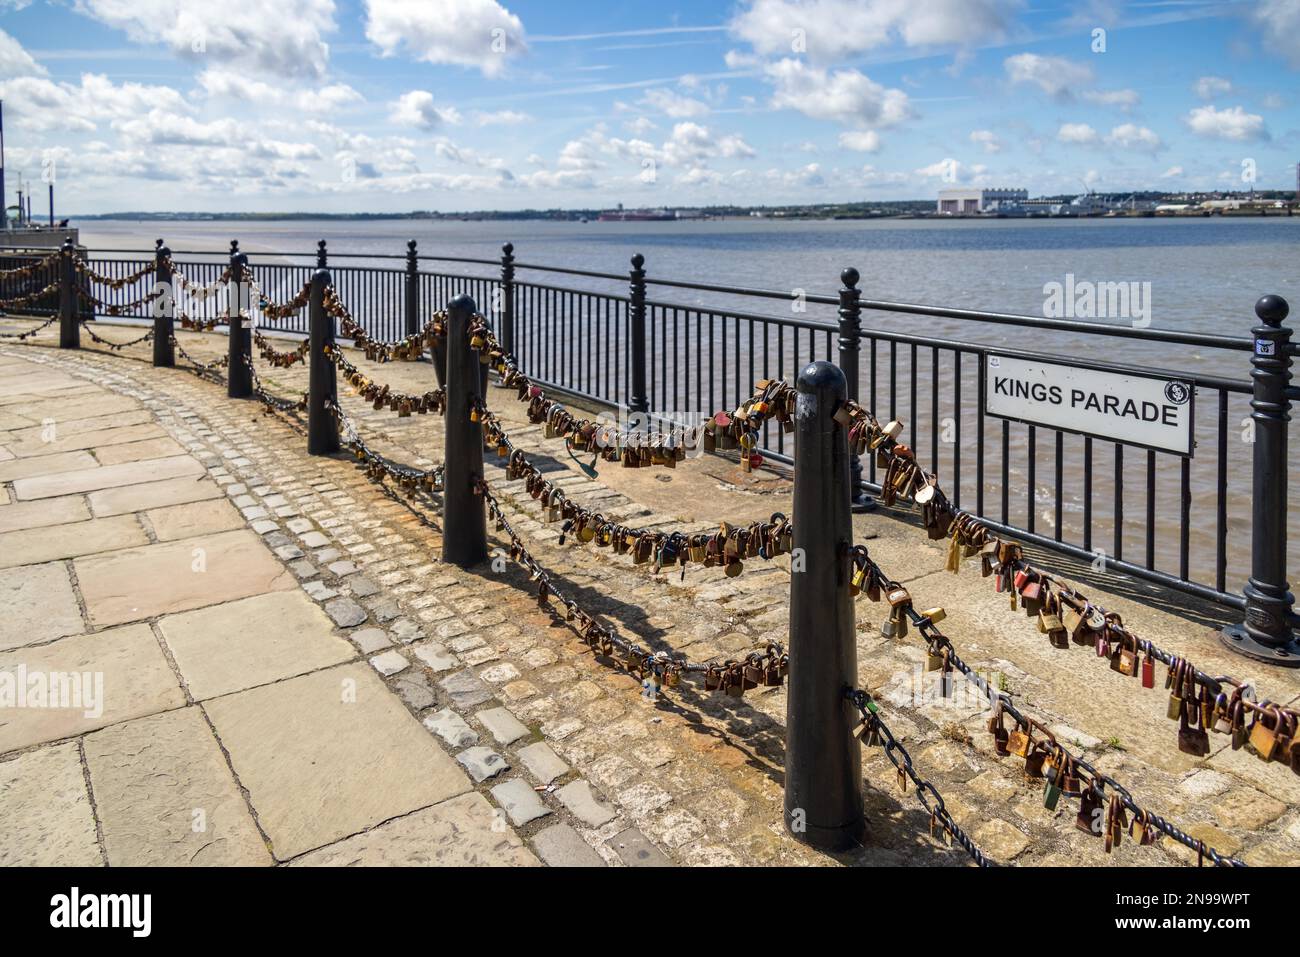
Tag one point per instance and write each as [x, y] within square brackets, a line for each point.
[407, 217]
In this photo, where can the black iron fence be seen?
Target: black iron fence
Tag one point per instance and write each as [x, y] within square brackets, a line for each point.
[676, 351]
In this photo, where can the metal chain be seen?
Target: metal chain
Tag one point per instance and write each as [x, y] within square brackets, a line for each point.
[112, 283]
[409, 347]
[905, 479]
[379, 394]
[115, 346]
[22, 272]
[19, 336]
[1101, 781]
[29, 298]
[203, 368]
[275, 402]
[867, 707]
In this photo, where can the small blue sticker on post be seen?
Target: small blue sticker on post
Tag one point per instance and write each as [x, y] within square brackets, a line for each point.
[1265, 347]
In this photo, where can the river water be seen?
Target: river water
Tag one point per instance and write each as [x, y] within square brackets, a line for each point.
[1199, 275]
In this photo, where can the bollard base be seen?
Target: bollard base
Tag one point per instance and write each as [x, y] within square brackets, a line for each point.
[844, 837]
[862, 502]
[1239, 640]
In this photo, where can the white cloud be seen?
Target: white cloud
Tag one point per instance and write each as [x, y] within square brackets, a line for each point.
[1231, 123]
[864, 141]
[951, 170]
[810, 175]
[1054, 75]
[15, 61]
[238, 86]
[40, 104]
[673, 104]
[836, 29]
[640, 126]
[417, 109]
[1130, 136]
[501, 118]
[1124, 99]
[845, 96]
[1172, 173]
[163, 128]
[558, 179]
[463, 155]
[278, 37]
[1076, 133]
[737, 60]
[1208, 87]
[470, 33]
[1279, 21]
[98, 167]
[987, 140]
[689, 148]
[691, 143]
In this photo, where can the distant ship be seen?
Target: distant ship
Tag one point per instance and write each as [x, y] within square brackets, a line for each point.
[635, 215]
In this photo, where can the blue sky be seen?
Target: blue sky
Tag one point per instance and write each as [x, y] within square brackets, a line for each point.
[391, 105]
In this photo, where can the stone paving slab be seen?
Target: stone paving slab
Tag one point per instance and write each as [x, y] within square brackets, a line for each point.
[165, 796]
[106, 476]
[456, 833]
[147, 495]
[60, 410]
[11, 423]
[39, 604]
[42, 513]
[328, 754]
[70, 541]
[193, 519]
[97, 438]
[31, 431]
[253, 641]
[121, 453]
[17, 468]
[136, 681]
[160, 579]
[47, 819]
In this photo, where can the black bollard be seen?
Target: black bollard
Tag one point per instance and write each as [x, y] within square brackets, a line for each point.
[1267, 633]
[163, 308]
[438, 353]
[638, 401]
[850, 338]
[69, 318]
[506, 330]
[464, 532]
[411, 291]
[239, 372]
[322, 428]
[823, 763]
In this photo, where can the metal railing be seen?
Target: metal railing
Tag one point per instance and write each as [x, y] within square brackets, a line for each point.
[636, 343]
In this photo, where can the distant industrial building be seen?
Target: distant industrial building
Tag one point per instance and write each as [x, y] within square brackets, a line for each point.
[974, 202]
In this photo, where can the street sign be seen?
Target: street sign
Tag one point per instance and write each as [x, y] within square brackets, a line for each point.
[1151, 411]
